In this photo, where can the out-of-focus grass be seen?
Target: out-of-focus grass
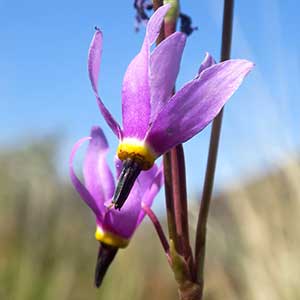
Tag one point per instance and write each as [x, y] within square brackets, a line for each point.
[254, 239]
[48, 250]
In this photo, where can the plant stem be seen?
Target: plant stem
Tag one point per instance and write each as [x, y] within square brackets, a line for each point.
[158, 229]
[176, 195]
[190, 291]
[170, 200]
[213, 152]
[180, 202]
[168, 167]
[156, 5]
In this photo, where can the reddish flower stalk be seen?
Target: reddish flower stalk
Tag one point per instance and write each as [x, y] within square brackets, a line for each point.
[177, 167]
[156, 5]
[180, 202]
[169, 198]
[171, 220]
[213, 151]
[158, 229]
[175, 179]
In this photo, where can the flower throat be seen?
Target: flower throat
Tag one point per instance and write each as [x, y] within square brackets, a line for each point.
[136, 156]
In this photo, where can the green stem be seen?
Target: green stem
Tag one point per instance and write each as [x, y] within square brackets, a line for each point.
[190, 291]
[170, 200]
[213, 152]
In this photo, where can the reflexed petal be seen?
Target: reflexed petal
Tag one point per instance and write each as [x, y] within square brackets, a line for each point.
[94, 60]
[136, 86]
[146, 178]
[155, 22]
[97, 175]
[80, 188]
[196, 104]
[207, 62]
[125, 221]
[164, 67]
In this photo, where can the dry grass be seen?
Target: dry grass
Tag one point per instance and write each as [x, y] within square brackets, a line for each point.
[48, 250]
[254, 241]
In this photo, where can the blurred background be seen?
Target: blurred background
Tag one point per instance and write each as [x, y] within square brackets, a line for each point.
[47, 246]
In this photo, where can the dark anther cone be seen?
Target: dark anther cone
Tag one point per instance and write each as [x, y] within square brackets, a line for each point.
[130, 171]
[106, 254]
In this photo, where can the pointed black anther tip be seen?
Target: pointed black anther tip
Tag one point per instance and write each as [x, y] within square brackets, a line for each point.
[106, 254]
[130, 171]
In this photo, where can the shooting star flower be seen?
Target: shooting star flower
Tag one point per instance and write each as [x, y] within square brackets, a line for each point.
[114, 228]
[154, 121]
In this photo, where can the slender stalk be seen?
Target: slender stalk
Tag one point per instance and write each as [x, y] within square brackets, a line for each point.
[190, 291]
[158, 229]
[180, 202]
[168, 168]
[206, 197]
[171, 219]
[177, 167]
[213, 151]
[176, 200]
[156, 5]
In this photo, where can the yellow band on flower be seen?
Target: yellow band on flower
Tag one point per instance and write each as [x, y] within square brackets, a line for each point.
[137, 150]
[111, 239]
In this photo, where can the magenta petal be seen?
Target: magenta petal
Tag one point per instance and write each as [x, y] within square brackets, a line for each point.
[80, 188]
[196, 104]
[207, 62]
[136, 85]
[94, 60]
[155, 22]
[136, 96]
[97, 175]
[118, 166]
[125, 221]
[164, 68]
[146, 178]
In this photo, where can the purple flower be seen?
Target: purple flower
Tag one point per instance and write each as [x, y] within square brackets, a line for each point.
[154, 121]
[114, 228]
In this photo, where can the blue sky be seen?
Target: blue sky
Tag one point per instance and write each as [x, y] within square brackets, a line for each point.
[44, 86]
